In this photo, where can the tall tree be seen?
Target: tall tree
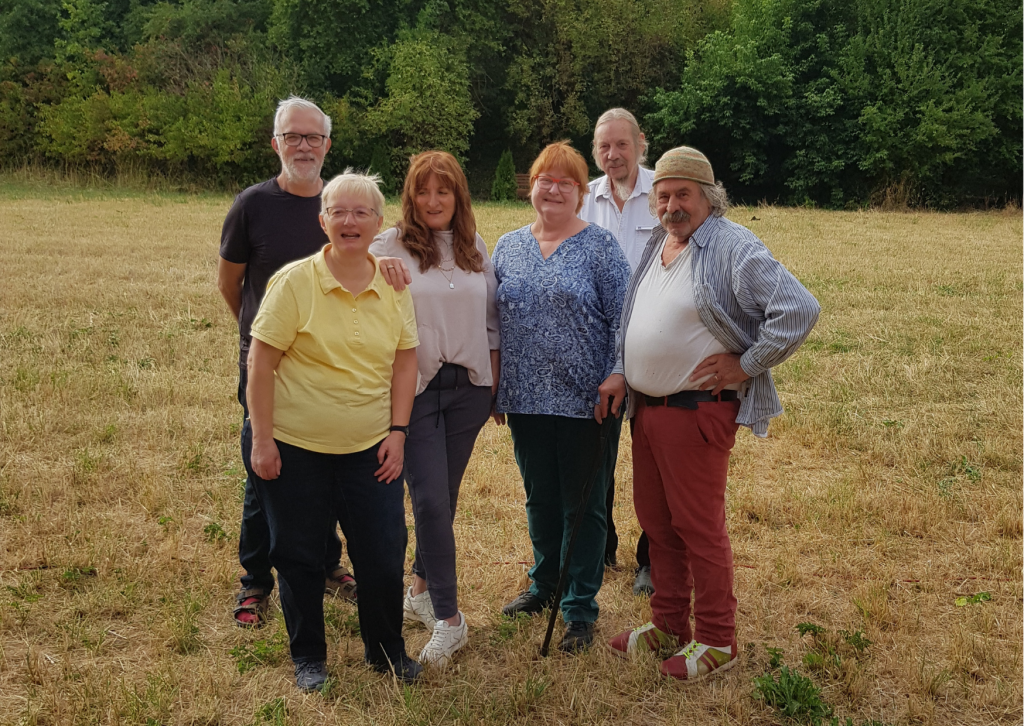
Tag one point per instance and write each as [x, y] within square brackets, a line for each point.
[428, 104]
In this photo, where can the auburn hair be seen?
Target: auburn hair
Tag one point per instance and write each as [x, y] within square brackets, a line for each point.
[417, 237]
[561, 155]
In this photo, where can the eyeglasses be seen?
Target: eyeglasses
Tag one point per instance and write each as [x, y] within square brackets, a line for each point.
[314, 140]
[564, 185]
[362, 214]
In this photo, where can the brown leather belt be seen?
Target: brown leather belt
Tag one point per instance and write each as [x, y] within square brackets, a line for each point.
[690, 399]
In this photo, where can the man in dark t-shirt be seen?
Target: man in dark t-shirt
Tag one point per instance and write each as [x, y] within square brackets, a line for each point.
[266, 229]
[269, 225]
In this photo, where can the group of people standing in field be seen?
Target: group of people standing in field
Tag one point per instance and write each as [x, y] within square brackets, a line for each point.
[370, 357]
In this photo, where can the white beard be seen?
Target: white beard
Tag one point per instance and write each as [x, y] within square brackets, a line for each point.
[621, 188]
[297, 175]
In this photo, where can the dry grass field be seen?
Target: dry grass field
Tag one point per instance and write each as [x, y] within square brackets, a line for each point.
[890, 488]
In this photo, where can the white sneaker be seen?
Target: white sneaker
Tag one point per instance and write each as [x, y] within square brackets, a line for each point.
[444, 642]
[418, 608]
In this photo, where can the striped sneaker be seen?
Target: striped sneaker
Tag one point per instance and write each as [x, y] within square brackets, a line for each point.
[697, 661]
[645, 639]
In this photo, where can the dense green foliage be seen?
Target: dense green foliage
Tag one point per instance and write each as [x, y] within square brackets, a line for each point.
[799, 101]
[828, 101]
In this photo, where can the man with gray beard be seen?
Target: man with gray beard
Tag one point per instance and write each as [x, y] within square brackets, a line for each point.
[269, 225]
[618, 201]
[708, 313]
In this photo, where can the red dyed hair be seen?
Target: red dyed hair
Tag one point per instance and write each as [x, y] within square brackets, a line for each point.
[416, 236]
[561, 155]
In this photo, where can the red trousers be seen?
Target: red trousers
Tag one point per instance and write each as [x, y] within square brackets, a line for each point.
[680, 464]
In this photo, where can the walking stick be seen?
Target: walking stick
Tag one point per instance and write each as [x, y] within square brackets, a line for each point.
[588, 487]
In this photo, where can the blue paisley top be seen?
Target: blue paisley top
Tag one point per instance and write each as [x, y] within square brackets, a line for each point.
[558, 320]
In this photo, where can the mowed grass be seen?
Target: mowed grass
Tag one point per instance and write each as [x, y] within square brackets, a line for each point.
[889, 489]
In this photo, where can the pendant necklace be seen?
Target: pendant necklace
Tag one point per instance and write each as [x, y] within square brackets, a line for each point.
[450, 270]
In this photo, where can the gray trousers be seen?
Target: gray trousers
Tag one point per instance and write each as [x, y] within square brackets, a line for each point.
[446, 419]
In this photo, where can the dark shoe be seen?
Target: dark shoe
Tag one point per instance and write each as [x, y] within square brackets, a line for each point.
[577, 638]
[406, 670]
[643, 585]
[610, 560]
[525, 602]
[311, 675]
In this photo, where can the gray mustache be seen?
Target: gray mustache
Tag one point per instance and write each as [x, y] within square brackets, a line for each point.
[674, 217]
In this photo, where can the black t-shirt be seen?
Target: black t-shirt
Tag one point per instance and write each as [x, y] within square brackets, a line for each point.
[266, 229]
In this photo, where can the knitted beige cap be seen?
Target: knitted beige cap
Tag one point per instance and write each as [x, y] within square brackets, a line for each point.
[684, 162]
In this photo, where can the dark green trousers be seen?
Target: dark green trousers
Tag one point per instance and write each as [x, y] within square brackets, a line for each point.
[556, 456]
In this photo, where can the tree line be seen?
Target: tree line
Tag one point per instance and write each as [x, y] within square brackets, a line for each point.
[835, 103]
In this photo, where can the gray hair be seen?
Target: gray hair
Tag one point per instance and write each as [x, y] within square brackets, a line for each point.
[621, 114]
[356, 183]
[293, 102]
[717, 197]
[715, 193]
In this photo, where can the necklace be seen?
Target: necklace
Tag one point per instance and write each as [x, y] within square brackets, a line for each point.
[449, 276]
[449, 270]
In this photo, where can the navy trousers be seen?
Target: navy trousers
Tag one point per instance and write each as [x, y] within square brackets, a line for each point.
[313, 492]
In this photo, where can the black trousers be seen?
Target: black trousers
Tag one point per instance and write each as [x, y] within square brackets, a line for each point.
[313, 492]
[643, 556]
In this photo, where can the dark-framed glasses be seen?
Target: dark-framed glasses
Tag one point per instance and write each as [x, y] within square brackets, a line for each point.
[564, 185]
[314, 140]
[361, 214]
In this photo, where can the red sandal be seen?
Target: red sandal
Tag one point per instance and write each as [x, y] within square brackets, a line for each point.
[340, 583]
[251, 610]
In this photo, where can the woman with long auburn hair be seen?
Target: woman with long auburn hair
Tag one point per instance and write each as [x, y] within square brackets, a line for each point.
[416, 228]
[453, 289]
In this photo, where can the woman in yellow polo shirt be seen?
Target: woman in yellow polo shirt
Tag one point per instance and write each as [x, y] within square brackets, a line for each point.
[332, 377]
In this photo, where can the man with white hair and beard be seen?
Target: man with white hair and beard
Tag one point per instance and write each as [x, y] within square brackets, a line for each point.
[269, 225]
[618, 201]
[708, 313]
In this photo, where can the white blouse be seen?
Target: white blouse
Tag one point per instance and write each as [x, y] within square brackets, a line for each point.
[456, 315]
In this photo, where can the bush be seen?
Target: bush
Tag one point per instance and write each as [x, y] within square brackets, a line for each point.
[504, 187]
[380, 164]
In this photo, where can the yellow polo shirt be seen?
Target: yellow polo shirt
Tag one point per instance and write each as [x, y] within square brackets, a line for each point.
[332, 388]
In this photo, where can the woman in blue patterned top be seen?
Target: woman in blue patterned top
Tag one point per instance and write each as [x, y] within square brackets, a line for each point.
[561, 283]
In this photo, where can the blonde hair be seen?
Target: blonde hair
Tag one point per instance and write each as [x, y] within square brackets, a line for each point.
[357, 183]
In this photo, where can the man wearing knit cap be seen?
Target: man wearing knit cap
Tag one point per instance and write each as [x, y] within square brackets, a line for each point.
[708, 313]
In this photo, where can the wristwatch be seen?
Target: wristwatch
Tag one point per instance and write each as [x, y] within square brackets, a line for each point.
[403, 429]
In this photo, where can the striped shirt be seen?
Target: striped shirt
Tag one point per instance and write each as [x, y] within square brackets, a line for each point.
[752, 305]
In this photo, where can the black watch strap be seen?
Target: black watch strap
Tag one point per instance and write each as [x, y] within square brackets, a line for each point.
[403, 429]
